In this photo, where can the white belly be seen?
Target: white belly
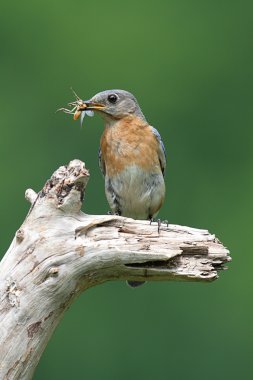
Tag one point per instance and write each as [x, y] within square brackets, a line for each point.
[135, 193]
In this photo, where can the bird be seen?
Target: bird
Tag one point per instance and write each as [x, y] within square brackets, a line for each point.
[132, 157]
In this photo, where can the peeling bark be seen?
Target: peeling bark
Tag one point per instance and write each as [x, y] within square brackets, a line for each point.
[59, 252]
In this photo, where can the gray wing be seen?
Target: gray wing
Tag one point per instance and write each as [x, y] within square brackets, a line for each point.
[161, 150]
[101, 162]
[109, 191]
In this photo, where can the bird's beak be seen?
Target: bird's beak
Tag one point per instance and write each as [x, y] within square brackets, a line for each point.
[93, 106]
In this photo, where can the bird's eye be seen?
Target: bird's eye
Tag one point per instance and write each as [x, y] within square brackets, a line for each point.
[112, 98]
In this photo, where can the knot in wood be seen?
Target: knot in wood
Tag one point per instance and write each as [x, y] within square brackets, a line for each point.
[20, 235]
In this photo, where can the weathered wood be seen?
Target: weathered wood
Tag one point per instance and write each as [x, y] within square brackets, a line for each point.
[59, 251]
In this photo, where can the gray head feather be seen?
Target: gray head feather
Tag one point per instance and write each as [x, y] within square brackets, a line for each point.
[118, 104]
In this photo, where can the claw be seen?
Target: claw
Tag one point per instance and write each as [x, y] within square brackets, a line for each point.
[165, 222]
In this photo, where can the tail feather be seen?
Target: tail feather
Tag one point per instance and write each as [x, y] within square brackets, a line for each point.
[135, 284]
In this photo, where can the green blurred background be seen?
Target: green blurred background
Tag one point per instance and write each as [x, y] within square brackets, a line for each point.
[189, 63]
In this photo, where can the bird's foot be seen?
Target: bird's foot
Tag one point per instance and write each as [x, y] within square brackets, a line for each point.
[159, 222]
[165, 222]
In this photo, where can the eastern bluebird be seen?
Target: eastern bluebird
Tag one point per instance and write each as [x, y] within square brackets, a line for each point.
[132, 157]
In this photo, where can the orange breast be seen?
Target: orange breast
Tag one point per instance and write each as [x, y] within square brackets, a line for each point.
[129, 142]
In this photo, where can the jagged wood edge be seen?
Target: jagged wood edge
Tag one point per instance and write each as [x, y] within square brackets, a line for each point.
[59, 251]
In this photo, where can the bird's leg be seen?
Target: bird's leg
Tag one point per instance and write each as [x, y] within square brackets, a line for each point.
[165, 222]
[159, 222]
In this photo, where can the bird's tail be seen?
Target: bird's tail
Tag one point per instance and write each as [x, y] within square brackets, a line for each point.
[134, 284]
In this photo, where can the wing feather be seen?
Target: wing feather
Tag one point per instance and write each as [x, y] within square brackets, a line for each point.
[161, 150]
[101, 162]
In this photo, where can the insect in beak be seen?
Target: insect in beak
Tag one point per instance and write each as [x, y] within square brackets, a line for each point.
[79, 108]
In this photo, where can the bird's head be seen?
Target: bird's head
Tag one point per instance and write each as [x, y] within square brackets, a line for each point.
[114, 104]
